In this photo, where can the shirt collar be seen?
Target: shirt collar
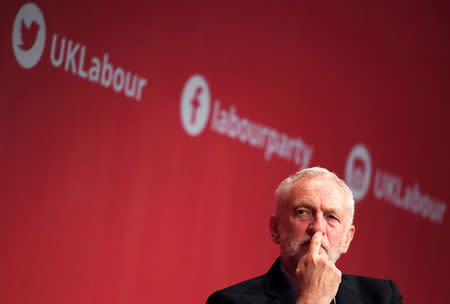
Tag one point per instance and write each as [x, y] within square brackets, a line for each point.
[290, 278]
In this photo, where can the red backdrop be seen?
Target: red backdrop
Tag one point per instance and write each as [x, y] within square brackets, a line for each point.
[165, 195]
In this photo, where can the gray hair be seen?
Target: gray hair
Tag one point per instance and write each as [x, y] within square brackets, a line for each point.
[282, 194]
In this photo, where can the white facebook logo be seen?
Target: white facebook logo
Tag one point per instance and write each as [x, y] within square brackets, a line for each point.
[195, 105]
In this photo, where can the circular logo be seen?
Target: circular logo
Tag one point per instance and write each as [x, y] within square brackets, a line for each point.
[195, 105]
[28, 36]
[358, 171]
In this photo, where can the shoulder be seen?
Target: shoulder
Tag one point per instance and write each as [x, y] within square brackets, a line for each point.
[378, 289]
[244, 292]
[362, 281]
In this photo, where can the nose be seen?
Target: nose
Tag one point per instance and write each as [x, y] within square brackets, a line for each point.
[318, 224]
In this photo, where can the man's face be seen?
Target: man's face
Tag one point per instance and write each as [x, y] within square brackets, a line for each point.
[315, 204]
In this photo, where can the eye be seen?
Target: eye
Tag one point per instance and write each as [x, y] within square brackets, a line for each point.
[303, 212]
[332, 217]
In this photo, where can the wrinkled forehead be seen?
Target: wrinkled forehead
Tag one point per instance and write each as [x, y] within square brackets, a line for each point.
[320, 187]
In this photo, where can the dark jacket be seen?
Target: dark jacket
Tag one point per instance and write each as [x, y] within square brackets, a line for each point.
[274, 288]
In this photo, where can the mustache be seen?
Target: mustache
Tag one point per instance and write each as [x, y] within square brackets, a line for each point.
[307, 239]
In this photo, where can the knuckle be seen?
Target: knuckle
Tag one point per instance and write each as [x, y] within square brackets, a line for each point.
[338, 275]
[315, 259]
[303, 260]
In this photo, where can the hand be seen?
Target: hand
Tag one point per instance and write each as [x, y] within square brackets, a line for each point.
[317, 277]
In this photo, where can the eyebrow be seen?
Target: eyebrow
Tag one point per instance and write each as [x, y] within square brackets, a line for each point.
[331, 210]
[309, 206]
[304, 205]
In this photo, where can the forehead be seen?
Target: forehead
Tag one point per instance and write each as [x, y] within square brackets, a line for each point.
[322, 190]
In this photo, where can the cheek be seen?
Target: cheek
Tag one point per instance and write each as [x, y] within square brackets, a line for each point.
[334, 236]
[297, 229]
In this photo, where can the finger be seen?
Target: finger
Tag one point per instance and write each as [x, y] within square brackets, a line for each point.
[316, 241]
[323, 252]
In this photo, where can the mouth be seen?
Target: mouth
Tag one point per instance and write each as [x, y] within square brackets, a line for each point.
[307, 244]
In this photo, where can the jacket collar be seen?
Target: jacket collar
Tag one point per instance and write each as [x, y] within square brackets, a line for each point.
[277, 286]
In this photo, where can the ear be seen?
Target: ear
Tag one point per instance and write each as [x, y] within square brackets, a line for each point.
[348, 238]
[274, 229]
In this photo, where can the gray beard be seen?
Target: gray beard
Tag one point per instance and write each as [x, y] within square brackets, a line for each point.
[292, 251]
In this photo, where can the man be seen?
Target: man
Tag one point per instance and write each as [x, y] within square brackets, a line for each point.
[313, 226]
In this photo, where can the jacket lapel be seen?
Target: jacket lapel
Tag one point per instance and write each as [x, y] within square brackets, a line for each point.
[277, 287]
[346, 294]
